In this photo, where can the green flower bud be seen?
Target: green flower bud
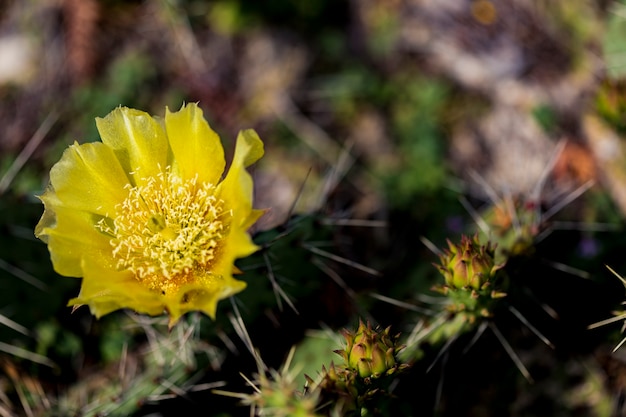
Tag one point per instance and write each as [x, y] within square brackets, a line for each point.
[468, 265]
[381, 361]
[369, 352]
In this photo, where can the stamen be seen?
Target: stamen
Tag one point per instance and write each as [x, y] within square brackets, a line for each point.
[167, 229]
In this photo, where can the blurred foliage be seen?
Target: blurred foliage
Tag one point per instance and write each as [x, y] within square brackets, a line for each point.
[614, 41]
[546, 117]
[416, 116]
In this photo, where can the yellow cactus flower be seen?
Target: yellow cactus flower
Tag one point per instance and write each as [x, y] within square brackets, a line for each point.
[145, 217]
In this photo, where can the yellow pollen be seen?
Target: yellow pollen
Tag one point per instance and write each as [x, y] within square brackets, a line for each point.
[167, 230]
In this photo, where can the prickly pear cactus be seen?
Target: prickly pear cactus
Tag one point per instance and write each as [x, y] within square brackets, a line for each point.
[472, 278]
[359, 386]
[277, 394]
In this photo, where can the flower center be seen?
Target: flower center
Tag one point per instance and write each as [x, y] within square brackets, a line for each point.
[166, 230]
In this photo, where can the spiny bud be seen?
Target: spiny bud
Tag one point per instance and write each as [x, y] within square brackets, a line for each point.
[338, 381]
[277, 393]
[370, 352]
[469, 264]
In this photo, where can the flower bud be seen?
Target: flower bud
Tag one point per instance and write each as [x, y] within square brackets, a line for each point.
[468, 264]
[369, 352]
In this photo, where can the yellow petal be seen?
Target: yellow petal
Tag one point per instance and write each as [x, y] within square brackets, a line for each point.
[202, 297]
[237, 189]
[252, 218]
[138, 140]
[237, 244]
[71, 237]
[105, 290]
[249, 148]
[88, 177]
[196, 147]
[85, 185]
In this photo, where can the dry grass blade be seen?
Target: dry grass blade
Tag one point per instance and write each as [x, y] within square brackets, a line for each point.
[335, 277]
[279, 293]
[335, 175]
[566, 200]
[298, 195]
[13, 325]
[308, 132]
[230, 345]
[545, 307]
[543, 177]
[439, 392]
[612, 319]
[28, 390]
[509, 350]
[488, 189]
[617, 275]
[402, 304]
[27, 151]
[479, 332]
[207, 386]
[353, 222]
[167, 385]
[567, 269]
[23, 275]
[480, 222]
[420, 332]
[443, 351]
[5, 412]
[619, 345]
[431, 246]
[342, 260]
[26, 354]
[606, 321]
[532, 328]
[240, 328]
